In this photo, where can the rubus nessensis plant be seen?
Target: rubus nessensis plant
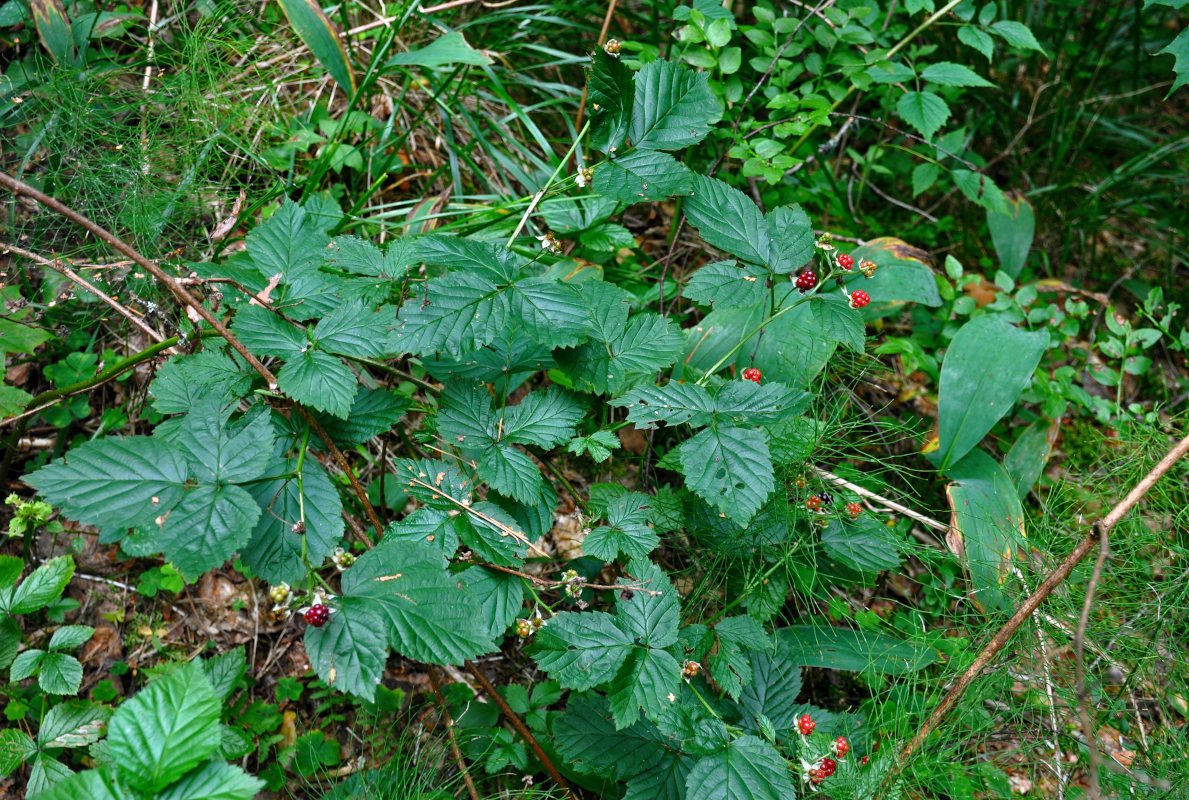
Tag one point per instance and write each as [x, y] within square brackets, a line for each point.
[526, 352]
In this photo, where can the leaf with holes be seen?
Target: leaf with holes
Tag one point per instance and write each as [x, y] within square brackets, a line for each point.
[730, 468]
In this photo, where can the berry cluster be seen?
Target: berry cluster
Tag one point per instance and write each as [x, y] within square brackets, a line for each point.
[859, 298]
[317, 615]
[817, 501]
[807, 280]
[854, 509]
[752, 374]
[691, 670]
[846, 262]
[818, 769]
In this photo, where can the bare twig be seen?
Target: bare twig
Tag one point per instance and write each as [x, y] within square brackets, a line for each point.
[57, 266]
[449, 722]
[1051, 581]
[929, 522]
[520, 727]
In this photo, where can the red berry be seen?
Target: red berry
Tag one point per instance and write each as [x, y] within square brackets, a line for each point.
[867, 267]
[854, 509]
[814, 503]
[817, 775]
[841, 746]
[691, 669]
[846, 262]
[751, 374]
[806, 724]
[863, 761]
[829, 766]
[859, 298]
[317, 615]
[807, 280]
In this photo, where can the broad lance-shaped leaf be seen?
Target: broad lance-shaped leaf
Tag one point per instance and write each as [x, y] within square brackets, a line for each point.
[730, 468]
[446, 50]
[166, 729]
[642, 175]
[313, 26]
[673, 107]
[114, 482]
[610, 92]
[747, 768]
[430, 615]
[988, 363]
[864, 544]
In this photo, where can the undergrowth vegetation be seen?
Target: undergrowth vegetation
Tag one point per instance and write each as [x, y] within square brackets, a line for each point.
[542, 400]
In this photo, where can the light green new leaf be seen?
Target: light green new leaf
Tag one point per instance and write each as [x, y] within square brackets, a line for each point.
[1017, 34]
[642, 175]
[748, 768]
[42, 587]
[947, 73]
[924, 111]
[730, 468]
[353, 330]
[114, 482]
[445, 51]
[69, 637]
[208, 527]
[988, 363]
[350, 650]
[319, 380]
[729, 220]
[581, 649]
[275, 548]
[1011, 233]
[673, 107]
[312, 25]
[727, 284]
[430, 614]
[610, 92]
[986, 530]
[166, 729]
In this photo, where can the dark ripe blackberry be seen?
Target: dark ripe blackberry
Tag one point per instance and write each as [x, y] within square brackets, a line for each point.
[826, 498]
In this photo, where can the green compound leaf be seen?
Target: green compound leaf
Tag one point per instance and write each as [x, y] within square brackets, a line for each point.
[353, 330]
[184, 380]
[289, 244]
[319, 380]
[274, 549]
[435, 530]
[610, 92]
[746, 403]
[730, 468]
[642, 176]
[460, 311]
[986, 529]
[266, 333]
[729, 664]
[69, 637]
[773, 689]
[485, 259]
[374, 411]
[673, 107]
[429, 614]
[747, 768]
[545, 418]
[947, 73]
[166, 729]
[988, 363]
[727, 284]
[924, 111]
[729, 220]
[549, 311]
[114, 482]
[208, 527]
[646, 344]
[350, 650]
[43, 586]
[581, 649]
[314, 28]
[629, 529]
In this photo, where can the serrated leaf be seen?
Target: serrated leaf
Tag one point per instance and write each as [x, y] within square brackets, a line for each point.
[864, 544]
[319, 380]
[166, 729]
[488, 260]
[42, 587]
[214, 780]
[275, 548]
[494, 535]
[675, 403]
[350, 650]
[648, 681]
[466, 419]
[352, 254]
[650, 617]
[266, 333]
[25, 665]
[15, 748]
[947, 73]
[980, 40]
[588, 738]
[980, 189]
[429, 614]
[730, 468]
[607, 238]
[838, 321]
[224, 671]
[549, 311]
[500, 597]
[208, 527]
[373, 412]
[663, 780]
[435, 530]
[506, 362]
[673, 107]
[791, 236]
[93, 784]
[69, 637]
[114, 482]
[743, 402]
[186, 379]
[581, 649]
[1178, 48]
[748, 768]
[773, 689]
[924, 111]
[48, 773]
[642, 175]
[727, 284]
[74, 723]
[510, 472]
[629, 529]
[545, 418]
[1017, 34]
[647, 344]
[460, 311]
[223, 453]
[610, 93]
[354, 330]
[729, 220]
[289, 243]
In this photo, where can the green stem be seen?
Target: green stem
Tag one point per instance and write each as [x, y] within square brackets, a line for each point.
[763, 324]
[537, 198]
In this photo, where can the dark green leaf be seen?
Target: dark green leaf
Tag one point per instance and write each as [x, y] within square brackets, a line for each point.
[549, 311]
[748, 768]
[545, 418]
[42, 587]
[353, 330]
[184, 380]
[224, 671]
[673, 107]
[648, 681]
[489, 260]
[648, 343]
[460, 311]
[727, 284]
[1026, 459]
[314, 28]
[581, 649]
[649, 617]
[500, 596]
[838, 321]
[510, 472]
[591, 743]
[319, 380]
[208, 527]
[978, 39]
[643, 175]
[1012, 232]
[924, 111]
[59, 674]
[730, 468]
[434, 529]
[675, 403]
[864, 544]
[374, 411]
[223, 453]
[947, 73]
[289, 244]
[1017, 34]
[792, 239]
[266, 333]
[773, 689]
[729, 220]
[15, 749]
[610, 92]
[832, 647]
[275, 548]
[1178, 48]
[70, 637]
[350, 650]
